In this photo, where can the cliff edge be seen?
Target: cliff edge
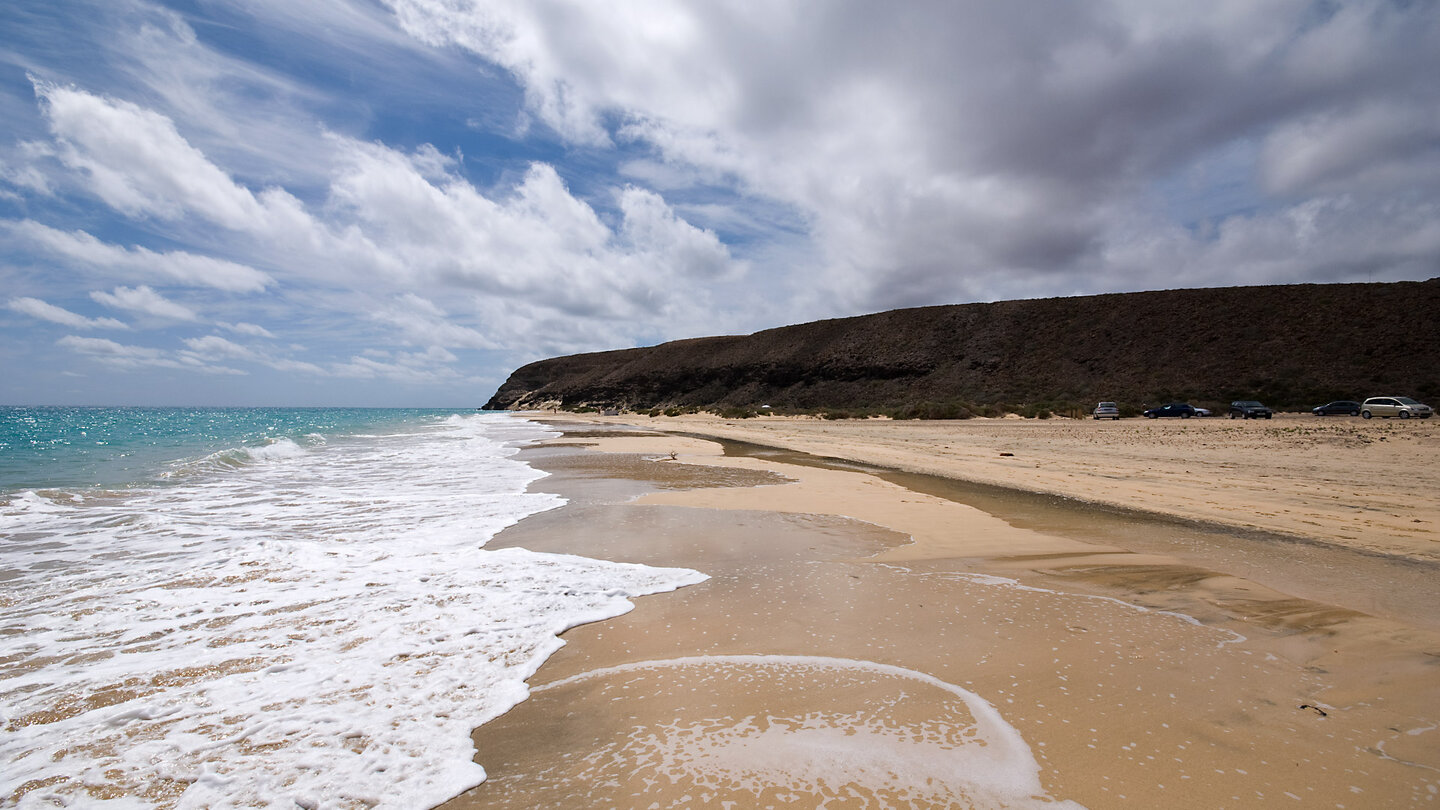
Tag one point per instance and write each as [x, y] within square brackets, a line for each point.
[1291, 346]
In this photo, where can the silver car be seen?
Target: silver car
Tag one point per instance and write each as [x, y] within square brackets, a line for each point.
[1107, 410]
[1386, 407]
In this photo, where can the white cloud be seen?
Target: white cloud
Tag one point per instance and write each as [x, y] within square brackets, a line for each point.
[1381, 145]
[296, 367]
[138, 163]
[242, 328]
[539, 243]
[204, 86]
[116, 352]
[132, 357]
[145, 301]
[393, 220]
[670, 244]
[429, 366]
[27, 176]
[214, 346]
[422, 323]
[36, 308]
[177, 266]
[1319, 240]
[444, 227]
[969, 151]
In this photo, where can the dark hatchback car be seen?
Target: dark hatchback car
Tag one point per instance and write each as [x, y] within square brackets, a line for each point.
[1344, 406]
[1180, 409]
[1249, 409]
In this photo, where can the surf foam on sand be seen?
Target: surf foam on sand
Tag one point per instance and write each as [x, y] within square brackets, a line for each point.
[316, 625]
[828, 730]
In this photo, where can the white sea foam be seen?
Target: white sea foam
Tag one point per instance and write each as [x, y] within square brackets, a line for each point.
[315, 626]
[274, 450]
[878, 733]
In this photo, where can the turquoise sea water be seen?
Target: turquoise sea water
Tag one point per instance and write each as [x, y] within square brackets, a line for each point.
[47, 448]
[271, 607]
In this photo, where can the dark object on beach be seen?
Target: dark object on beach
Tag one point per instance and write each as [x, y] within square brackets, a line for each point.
[1315, 709]
[1249, 409]
[1285, 345]
[1007, 454]
[1344, 406]
[1180, 409]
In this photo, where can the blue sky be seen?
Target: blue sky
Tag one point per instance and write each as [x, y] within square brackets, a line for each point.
[397, 202]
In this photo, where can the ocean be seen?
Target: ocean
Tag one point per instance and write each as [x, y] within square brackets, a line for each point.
[271, 607]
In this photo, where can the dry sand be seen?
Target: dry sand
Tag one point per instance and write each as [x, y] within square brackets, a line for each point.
[869, 640]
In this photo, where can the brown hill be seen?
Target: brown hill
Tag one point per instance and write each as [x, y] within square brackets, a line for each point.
[1289, 346]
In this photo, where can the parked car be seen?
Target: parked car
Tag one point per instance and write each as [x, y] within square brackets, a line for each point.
[1180, 409]
[1344, 406]
[1107, 410]
[1199, 411]
[1249, 409]
[1386, 407]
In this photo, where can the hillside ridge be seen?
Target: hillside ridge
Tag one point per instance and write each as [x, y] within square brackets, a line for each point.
[1289, 345]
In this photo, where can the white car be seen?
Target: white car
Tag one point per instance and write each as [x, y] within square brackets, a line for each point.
[1386, 407]
[1107, 410]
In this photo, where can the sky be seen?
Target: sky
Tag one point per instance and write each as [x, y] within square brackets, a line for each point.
[398, 202]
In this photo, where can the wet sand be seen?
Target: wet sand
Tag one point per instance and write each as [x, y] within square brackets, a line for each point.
[1371, 485]
[865, 642]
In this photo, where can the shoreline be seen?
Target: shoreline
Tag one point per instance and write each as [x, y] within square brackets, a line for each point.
[1123, 673]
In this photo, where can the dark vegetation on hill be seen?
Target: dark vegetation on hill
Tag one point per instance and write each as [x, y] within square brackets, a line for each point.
[1292, 347]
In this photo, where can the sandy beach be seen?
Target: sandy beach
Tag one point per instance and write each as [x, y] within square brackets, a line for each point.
[991, 613]
[1372, 485]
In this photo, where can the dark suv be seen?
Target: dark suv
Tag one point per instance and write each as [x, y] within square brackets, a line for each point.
[1181, 409]
[1249, 409]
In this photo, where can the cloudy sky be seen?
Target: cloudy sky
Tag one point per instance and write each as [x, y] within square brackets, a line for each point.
[397, 202]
